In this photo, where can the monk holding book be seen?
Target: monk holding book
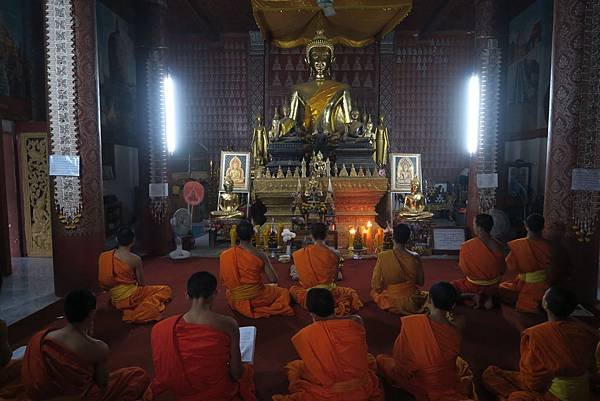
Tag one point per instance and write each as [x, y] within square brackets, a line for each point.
[317, 266]
[197, 355]
[121, 273]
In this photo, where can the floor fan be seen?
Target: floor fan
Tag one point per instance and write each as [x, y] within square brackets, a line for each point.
[181, 223]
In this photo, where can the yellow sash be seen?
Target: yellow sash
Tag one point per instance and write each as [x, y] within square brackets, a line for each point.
[401, 290]
[571, 388]
[319, 100]
[538, 276]
[330, 286]
[122, 291]
[484, 282]
[246, 292]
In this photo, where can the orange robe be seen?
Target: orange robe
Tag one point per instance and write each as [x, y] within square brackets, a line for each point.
[191, 361]
[240, 273]
[335, 364]
[482, 268]
[426, 361]
[139, 304]
[50, 370]
[11, 387]
[317, 267]
[556, 360]
[531, 259]
[394, 285]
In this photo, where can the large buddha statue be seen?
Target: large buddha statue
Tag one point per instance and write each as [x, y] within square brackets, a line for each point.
[321, 105]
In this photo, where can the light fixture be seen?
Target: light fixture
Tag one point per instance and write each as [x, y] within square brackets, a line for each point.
[473, 114]
[170, 113]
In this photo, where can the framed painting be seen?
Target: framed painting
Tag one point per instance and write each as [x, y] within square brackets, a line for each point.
[235, 165]
[404, 168]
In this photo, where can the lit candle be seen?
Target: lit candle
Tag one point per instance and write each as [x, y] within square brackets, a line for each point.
[352, 233]
[364, 237]
[369, 241]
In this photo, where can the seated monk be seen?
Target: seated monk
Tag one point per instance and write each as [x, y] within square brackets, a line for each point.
[11, 387]
[335, 364]
[481, 259]
[396, 276]
[120, 272]
[317, 266]
[241, 269]
[425, 361]
[70, 363]
[530, 257]
[197, 355]
[557, 357]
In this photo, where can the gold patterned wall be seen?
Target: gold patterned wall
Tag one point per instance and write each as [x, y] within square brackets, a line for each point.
[36, 193]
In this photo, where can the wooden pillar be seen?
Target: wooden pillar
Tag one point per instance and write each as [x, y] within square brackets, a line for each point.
[574, 94]
[5, 258]
[73, 108]
[154, 231]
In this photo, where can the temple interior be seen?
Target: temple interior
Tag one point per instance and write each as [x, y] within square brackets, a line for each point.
[380, 138]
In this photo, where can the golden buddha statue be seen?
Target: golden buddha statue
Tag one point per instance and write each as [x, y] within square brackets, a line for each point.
[382, 143]
[321, 105]
[287, 125]
[274, 131]
[355, 130]
[228, 204]
[235, 172]
[414, 203]
[260, 141]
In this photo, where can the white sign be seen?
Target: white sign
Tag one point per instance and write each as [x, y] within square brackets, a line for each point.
[448, 239]
[64, 165]
[487, 181]
[585, 179]
[158, 190]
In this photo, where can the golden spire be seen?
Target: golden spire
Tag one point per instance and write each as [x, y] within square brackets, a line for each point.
[320, 40]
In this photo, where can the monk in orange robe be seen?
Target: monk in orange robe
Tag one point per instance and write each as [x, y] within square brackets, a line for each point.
[197, 355]
[557, 357]
[531, 258]
[11, 387]
[120, 272]
[241, 269]
[425, 361]
[70, 363]
[396, 276]
[317, 266]
[481, 259]
[335, 364]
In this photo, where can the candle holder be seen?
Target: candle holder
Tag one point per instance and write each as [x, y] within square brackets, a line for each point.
[357, 247]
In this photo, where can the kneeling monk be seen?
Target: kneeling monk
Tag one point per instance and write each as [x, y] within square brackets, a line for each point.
[317, 266]
[197, 355]
[481, 259]
[557, 357]
[241, 269]
[120, 271]
[426, 361]
[530, 257]
[396, 276]
[335, 364]
[69, 362]
[10, 369]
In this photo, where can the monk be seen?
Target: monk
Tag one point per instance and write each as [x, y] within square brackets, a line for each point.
[335, 364]
[120, 271]
[70, 363]
[530, 257]
[426, 361]
[10, 369]
[197, 355]
[396, 276]
[317, 266]
[557, 357]
[481, 259]
[241, 269]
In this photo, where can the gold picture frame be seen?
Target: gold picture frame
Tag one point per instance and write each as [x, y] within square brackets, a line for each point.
[404, 168]
[237, 166]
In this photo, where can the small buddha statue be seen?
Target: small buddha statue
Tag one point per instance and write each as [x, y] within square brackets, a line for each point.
[287, 125]
[228, 204]
[355, 130]
[382, 144]
[414, 203]
[274, 131]
[260, 141]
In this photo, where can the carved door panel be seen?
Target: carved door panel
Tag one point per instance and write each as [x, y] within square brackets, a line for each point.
[35, 186]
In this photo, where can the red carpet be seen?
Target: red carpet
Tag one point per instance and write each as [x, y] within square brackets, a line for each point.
[492, 337]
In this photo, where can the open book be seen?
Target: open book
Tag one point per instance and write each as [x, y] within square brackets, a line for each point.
[247, 343]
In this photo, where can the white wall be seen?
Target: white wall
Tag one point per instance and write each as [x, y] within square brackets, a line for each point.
[532, 151]
[126, 180]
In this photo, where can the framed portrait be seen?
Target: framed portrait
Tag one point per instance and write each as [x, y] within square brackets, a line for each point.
[405, 167]
[237, 166]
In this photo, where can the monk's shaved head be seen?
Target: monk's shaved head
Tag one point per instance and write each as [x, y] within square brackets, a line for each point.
[535, 222]
[318, 231]
[245, 230]
[560, 301]
[320, 302]
[125, 236]
[443, 295]
[78, 305]
[401, 234]
[485, 222]
[201, 285]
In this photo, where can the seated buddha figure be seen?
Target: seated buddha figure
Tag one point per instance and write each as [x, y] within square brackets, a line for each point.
[355, 130]
[287, 125]
[414, 203]
[321, 104]
[228, 203]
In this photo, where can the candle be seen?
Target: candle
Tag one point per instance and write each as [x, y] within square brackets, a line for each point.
[364, 236]
[233, 235]
[369, 242]
[352, 233]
